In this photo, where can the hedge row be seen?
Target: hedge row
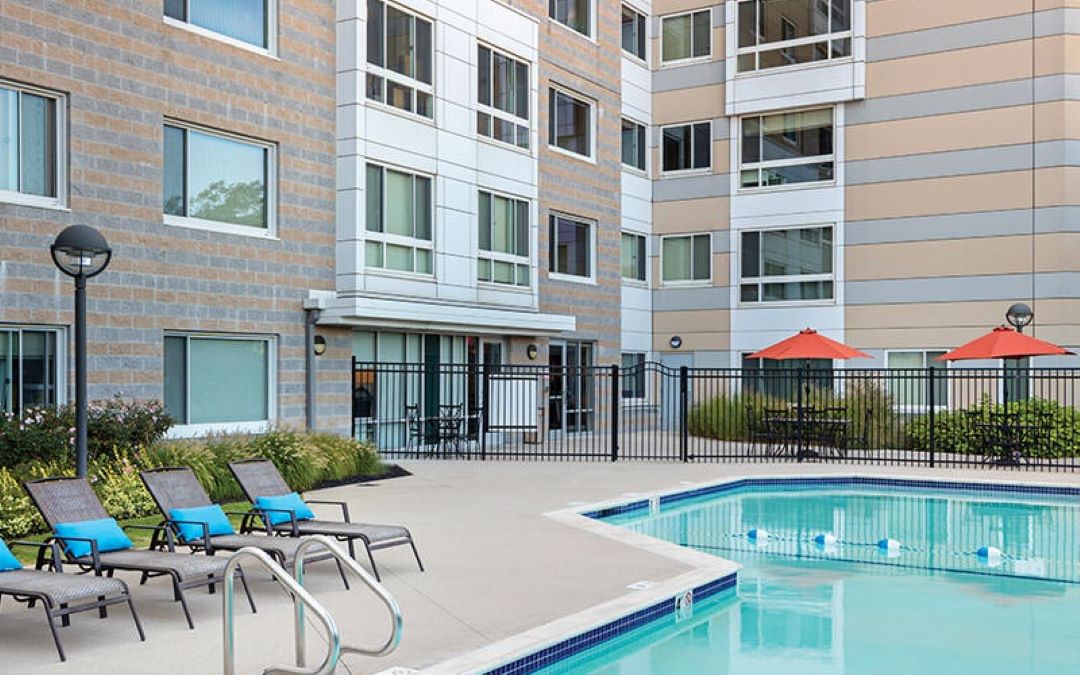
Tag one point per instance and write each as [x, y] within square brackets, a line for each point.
[305, 459]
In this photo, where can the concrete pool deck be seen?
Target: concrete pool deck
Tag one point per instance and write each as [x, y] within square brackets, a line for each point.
[498, 565]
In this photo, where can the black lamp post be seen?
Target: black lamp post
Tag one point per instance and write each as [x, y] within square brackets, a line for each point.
[80, 251]
[1019, 315]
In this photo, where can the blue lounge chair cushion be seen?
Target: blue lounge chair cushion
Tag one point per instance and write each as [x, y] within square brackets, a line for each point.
[212, 515]
[290, 502]
[105, 531]
[8, 561]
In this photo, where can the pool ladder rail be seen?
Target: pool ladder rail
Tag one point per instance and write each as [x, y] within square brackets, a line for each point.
[302, 599]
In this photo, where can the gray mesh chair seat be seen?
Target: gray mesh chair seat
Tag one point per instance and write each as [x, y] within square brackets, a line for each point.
[375, 534]
[179, 488]
[72, 500]
[260, 478]
[59, 589]
[187, 567]
[62, 595]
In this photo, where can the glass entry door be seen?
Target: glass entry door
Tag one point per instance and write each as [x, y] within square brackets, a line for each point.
[571, 396]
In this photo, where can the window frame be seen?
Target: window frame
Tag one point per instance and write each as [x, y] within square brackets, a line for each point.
[761, 166]
[925, 353]
[641, 359]
[641, 21]
[688, 59]
[271, 188]
[692, 170]
[183, 429]
[385, 238]
[759, 47]
[554, 90]
[761, 280]
[642, 246]
[60, 380]
[494, 112]
[642, 135]
[691, 281]
[60, 158]
[590, 34]
[386, 74]
[499, 256]
[271, 29]
[553, 246]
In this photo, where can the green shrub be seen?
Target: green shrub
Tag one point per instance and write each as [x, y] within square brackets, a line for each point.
[294, 456]
[1056, 435]
[345, 457]
[725, 417]
[48, 434]
[18, 517]
[117, 483]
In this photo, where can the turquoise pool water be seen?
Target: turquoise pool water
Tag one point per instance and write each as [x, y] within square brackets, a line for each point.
[930, 606]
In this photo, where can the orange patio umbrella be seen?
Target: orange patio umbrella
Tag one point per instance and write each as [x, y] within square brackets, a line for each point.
[1003, 343]
[809, 344]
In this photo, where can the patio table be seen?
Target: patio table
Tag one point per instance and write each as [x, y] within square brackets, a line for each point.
[1003, 441]
[818, 434]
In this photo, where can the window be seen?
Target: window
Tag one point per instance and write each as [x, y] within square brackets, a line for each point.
[687, 258]
[399, 56]
[633, 144]
[633, 32]
[686, 36]
[222, 381]
[398, 221]
[632, 375]
[576, 14]
[787, 148]
[910, 388]
[31, 368]
[503, 86]
[571, 246]
[687, 147]
[774, 33]
[504, 240]
[633, 256]
[248, 21]
[780, 379]
[569, 123]
[31, 146]
[216, 181]
[786, 265]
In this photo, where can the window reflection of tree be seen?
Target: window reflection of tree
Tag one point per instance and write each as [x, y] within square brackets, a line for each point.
[241, 203]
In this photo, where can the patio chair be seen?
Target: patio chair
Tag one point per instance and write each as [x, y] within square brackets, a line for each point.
[71, 500]
[260, 478]
[62, 595]
[177, 488]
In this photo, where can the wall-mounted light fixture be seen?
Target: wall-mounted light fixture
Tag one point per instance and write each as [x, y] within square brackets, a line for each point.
[318, 345]
[531, 351]
[675, 342]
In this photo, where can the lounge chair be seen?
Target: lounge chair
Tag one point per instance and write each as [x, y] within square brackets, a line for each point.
[62, 595]
[71, 500]
[260, 478]
[177, 488]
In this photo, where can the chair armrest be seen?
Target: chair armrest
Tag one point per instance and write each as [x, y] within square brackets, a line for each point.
[206, 543]
[269, 526]
[249, 517]
[94, 554]
[343, 505]
[167, 529]
[43, 547]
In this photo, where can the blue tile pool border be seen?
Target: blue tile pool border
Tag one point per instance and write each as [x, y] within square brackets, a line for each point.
[576, 644]
[834, 481]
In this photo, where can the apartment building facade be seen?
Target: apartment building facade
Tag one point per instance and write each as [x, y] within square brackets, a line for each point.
[563, 182]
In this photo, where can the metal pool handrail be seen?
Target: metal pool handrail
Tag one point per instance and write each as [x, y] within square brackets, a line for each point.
[300, 596]
[387, 599]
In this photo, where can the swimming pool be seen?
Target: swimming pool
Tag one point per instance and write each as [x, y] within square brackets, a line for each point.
[927, 603]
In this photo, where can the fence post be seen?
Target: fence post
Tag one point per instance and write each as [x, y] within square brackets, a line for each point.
[352, 398]
[930, 413]
[684, 401]
[485, 409]
[616, 400]
[799, 379]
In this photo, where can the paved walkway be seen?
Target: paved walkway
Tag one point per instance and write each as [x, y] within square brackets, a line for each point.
[497, 566]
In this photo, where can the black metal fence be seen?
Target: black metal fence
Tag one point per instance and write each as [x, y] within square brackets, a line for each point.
[1015, 417]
